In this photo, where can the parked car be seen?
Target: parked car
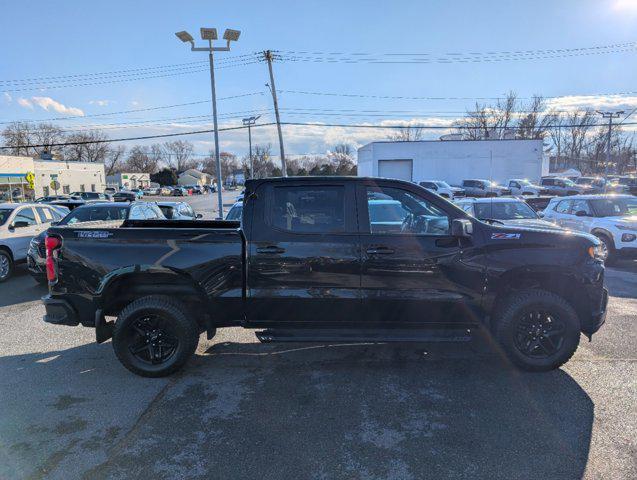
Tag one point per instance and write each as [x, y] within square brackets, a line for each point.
[178, 211]
[71, 203]
[235, 212]
[630, 182]
[562, 187]
[601, 185]
[19, 223]
[91, 212]
[179, 192]
[508, 211]
[443, 189]
[484, 188]
[306, 264]
[110, 191]
[51, 198]
[538, 203]
[125, 196]
[522, 186]
[166, 191]
[90, 196]
[138, 191]
[611, 218]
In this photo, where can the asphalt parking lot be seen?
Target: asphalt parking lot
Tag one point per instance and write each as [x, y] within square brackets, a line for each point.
[242, 409]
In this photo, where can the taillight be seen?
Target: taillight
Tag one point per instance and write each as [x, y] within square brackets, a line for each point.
[52, 245]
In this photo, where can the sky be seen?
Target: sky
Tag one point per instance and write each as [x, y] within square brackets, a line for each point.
[430, 60]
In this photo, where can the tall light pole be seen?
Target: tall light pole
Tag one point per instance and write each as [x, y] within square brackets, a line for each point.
[210, 34]
[248, 122]
[268, 57]
[610, 116]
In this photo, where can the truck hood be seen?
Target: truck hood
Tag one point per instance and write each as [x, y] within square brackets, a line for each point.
[533, 223]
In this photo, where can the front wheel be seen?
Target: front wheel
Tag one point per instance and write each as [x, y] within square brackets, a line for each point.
[153, 336]
[538, 330]
[6, 265]
[608, 253]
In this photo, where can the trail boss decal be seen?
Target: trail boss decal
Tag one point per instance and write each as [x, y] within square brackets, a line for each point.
[505, 236]
[93, 234]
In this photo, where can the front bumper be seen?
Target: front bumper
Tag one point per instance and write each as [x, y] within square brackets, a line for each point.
[628, 252]
[59, 312]
[598, 313]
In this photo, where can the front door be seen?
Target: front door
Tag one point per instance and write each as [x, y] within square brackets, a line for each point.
[304, 255]
[414, 272]
[21, 230]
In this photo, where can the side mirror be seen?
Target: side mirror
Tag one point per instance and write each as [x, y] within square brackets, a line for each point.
[540, 214]
[199, 215]
[20, 224]
[53, 224]
[461, 227]
[581, 213]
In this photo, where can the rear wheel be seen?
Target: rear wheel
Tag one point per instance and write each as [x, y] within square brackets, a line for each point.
[538, 330]
[6, 265]
[153, 336]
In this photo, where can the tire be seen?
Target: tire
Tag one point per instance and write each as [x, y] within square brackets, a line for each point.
[609, 247]
[548, 352]
[6, 265]
[154, 325]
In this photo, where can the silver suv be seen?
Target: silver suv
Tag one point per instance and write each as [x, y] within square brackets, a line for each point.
[484, 188]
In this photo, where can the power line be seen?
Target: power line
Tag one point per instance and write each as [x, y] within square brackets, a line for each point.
[132, 111]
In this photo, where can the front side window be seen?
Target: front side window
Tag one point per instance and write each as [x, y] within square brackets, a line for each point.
[505, 211]
[319, 209]
[26, 215]
[581, 206]
[399, 211]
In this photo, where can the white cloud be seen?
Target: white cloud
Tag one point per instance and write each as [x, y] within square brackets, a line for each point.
[100, 103]
[594, 102]
[134, 103]
[47, 103]
[7, 97]
[24, 102]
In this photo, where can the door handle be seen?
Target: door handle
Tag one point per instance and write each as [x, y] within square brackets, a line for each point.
[271, 249]
[380, 251]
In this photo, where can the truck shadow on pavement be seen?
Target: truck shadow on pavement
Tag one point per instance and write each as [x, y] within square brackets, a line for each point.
[247, 410]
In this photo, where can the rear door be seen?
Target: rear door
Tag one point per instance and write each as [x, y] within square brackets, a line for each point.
[303, 254]
[417, 274]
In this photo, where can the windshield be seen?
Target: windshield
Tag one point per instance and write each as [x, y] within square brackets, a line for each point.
[568, 182]
[442, 184]
[524, 182]
[92, 214]
[505, 211]
[615, 207]
[5, 213]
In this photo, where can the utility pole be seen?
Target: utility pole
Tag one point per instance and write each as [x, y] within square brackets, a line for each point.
[268, 56]
[248, 122]
[610, 116]
[210, 34]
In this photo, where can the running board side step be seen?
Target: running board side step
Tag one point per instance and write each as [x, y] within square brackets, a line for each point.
[362, 335]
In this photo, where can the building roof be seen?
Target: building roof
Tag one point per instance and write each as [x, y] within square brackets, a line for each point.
[193, 173]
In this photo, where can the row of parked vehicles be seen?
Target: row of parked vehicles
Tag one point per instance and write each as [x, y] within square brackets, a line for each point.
[549, 185]
[23, 226]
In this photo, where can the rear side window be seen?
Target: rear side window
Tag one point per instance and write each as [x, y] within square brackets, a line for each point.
[319, 209]
[563, 207]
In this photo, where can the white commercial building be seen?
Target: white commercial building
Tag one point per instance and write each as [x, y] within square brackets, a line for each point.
[45, 175]
[128, 180]
[454, 160]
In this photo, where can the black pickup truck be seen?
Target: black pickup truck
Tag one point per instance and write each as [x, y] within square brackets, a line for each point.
[327, 259]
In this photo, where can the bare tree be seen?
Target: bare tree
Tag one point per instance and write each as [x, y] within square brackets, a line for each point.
[114, 159]
[140, 160]
[489, 122]
[342, 156]
[533, 123]
[22, 137]
[406, 134]
[179, 155]
[89, 146]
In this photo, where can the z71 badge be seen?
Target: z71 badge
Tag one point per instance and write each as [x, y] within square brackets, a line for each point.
[505, 236]
[93, 234]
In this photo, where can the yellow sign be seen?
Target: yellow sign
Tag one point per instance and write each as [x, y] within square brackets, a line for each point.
[30, 179]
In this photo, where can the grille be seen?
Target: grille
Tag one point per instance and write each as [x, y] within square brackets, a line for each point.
[41, 249]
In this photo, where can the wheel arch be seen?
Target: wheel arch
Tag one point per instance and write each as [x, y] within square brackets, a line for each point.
[7, 249]
[602, 231]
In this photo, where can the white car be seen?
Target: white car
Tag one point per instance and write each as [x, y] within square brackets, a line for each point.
[611, 218]
[521, 186]
[19, 223]
[508, 211]
[442, 188]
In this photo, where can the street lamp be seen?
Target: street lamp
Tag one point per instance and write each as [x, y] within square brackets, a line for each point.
[210, 34]
[248, 122]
